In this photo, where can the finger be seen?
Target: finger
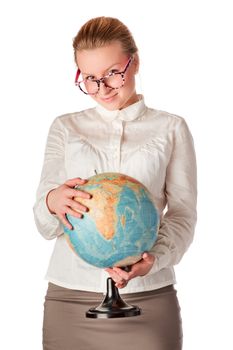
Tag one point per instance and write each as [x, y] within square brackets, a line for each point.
[123, 274]
[74, 213]
[121, 284]
[116, 278]
[77, 206]
[75, 181]
[65, 222]
[82, 194]
[74, 193]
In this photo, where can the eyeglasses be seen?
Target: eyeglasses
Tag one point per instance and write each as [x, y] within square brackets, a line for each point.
[113, 81]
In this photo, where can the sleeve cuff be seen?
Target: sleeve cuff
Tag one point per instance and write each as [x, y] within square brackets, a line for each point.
[47, 224]
[45, 212]
[162, 258]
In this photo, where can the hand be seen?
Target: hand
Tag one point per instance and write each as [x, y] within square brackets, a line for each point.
[141, 268]
[60, 201]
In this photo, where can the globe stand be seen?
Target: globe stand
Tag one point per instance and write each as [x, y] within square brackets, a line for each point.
[113, 306]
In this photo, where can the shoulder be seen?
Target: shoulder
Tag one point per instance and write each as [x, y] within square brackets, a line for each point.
[71, 121]
[165, 120]
[74, 116]
[165, 117]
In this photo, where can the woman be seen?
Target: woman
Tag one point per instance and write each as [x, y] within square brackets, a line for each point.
[121, 135]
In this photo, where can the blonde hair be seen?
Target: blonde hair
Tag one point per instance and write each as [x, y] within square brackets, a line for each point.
[101, 31]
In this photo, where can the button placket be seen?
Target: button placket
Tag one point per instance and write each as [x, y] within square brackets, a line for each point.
[118, 131]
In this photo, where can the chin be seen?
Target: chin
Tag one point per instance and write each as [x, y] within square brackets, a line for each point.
[110, 108]
[111, 105]
[116, 102]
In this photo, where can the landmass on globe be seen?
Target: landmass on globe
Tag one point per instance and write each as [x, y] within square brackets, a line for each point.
[122, 221]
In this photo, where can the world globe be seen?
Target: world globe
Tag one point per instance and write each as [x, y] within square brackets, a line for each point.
[121, 224]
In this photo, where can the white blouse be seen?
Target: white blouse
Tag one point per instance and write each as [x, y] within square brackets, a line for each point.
[154, 147]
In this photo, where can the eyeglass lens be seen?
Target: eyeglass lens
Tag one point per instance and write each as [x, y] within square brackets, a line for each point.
[114, 81]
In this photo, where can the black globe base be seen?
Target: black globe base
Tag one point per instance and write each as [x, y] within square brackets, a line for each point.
[113, 306]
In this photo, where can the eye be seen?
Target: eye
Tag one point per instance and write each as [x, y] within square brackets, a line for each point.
[113, 71]
[90, 77]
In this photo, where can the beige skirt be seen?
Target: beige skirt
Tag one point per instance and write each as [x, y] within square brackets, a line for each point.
[66, 327]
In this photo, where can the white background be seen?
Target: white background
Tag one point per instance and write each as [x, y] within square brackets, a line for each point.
[186, 69]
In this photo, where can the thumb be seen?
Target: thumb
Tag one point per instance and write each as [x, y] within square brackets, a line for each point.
[149, 258]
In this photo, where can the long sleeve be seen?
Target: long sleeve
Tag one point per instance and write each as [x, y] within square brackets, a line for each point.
[53, 175]
[178, 223]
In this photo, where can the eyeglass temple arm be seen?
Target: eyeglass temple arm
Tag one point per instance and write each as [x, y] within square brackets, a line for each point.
[127, 65]
[77, 76]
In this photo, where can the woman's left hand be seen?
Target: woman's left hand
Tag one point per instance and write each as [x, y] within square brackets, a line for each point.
[141, 268]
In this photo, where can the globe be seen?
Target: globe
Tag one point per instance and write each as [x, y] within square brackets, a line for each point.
[122, 221]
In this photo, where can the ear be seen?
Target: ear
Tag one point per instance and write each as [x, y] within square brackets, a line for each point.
[136, 62]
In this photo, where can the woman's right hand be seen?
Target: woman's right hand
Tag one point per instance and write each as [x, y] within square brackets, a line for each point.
[60, 201]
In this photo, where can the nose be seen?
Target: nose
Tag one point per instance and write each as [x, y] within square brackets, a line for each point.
[103, 89]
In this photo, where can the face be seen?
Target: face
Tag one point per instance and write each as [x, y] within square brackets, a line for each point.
[96, 63]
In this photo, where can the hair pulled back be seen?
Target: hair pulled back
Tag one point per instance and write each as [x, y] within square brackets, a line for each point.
[101, 31]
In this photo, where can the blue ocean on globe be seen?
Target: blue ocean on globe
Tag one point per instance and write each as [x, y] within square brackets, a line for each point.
[121, 224]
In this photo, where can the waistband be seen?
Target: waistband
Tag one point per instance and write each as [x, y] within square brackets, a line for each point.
[61, 293]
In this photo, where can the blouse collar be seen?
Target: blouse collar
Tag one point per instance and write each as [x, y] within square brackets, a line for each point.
[129, 113]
